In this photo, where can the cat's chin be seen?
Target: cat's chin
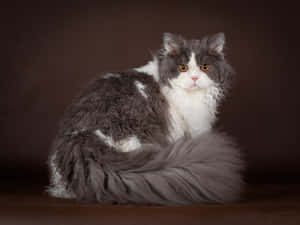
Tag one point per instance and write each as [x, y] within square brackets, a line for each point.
[193, 88]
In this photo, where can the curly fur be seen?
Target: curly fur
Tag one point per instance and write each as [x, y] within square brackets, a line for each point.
[203, 169]
[142, 137]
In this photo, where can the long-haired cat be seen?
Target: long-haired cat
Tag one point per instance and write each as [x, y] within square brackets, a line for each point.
[145, 136]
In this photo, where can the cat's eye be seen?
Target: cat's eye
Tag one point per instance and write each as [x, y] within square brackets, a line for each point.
[183, 67]
[204, 67]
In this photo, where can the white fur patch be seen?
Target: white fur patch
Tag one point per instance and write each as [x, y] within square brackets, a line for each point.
[150, 68]
[141, 88]
[191, 111]
[58, 188]
[107, 140]
[125, 145]
[109, 75]
[129, 144]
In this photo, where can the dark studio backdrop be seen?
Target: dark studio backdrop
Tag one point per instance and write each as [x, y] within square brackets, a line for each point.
[52, 49]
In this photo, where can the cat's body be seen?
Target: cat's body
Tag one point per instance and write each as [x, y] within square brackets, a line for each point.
[144, 136]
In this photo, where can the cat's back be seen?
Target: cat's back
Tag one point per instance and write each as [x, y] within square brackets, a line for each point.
[122, 103]
[122, 86]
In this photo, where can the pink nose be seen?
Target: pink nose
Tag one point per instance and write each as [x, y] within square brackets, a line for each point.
[194, 79]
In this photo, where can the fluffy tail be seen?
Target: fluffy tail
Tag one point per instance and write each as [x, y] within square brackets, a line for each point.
[205, 169]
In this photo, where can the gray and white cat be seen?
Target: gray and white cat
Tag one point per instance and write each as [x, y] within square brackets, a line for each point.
[145, 136]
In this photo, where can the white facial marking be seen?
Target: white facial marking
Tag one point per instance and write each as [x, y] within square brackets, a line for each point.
[109, 75]
[125, 145]
[150, 68]
[184, 80]
[141, 88]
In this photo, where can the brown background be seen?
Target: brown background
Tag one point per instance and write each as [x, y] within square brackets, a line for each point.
[52, 49]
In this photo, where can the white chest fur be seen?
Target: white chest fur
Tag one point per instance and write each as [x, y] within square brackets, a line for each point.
[191, 111]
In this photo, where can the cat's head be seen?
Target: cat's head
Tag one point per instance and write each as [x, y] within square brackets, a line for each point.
[194, 64]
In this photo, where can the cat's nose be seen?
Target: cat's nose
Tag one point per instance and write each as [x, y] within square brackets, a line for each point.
[194, 79]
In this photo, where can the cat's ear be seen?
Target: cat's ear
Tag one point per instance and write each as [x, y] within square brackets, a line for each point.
[216, 44]
[172, 43]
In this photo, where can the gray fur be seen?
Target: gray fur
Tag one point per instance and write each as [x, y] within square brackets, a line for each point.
[117, 108]
[203, 169]
[220, 71]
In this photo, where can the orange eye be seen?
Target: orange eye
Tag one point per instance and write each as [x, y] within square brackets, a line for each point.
[204, 67]
[183, 67]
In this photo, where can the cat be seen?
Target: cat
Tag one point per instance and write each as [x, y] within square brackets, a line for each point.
[145, 136]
